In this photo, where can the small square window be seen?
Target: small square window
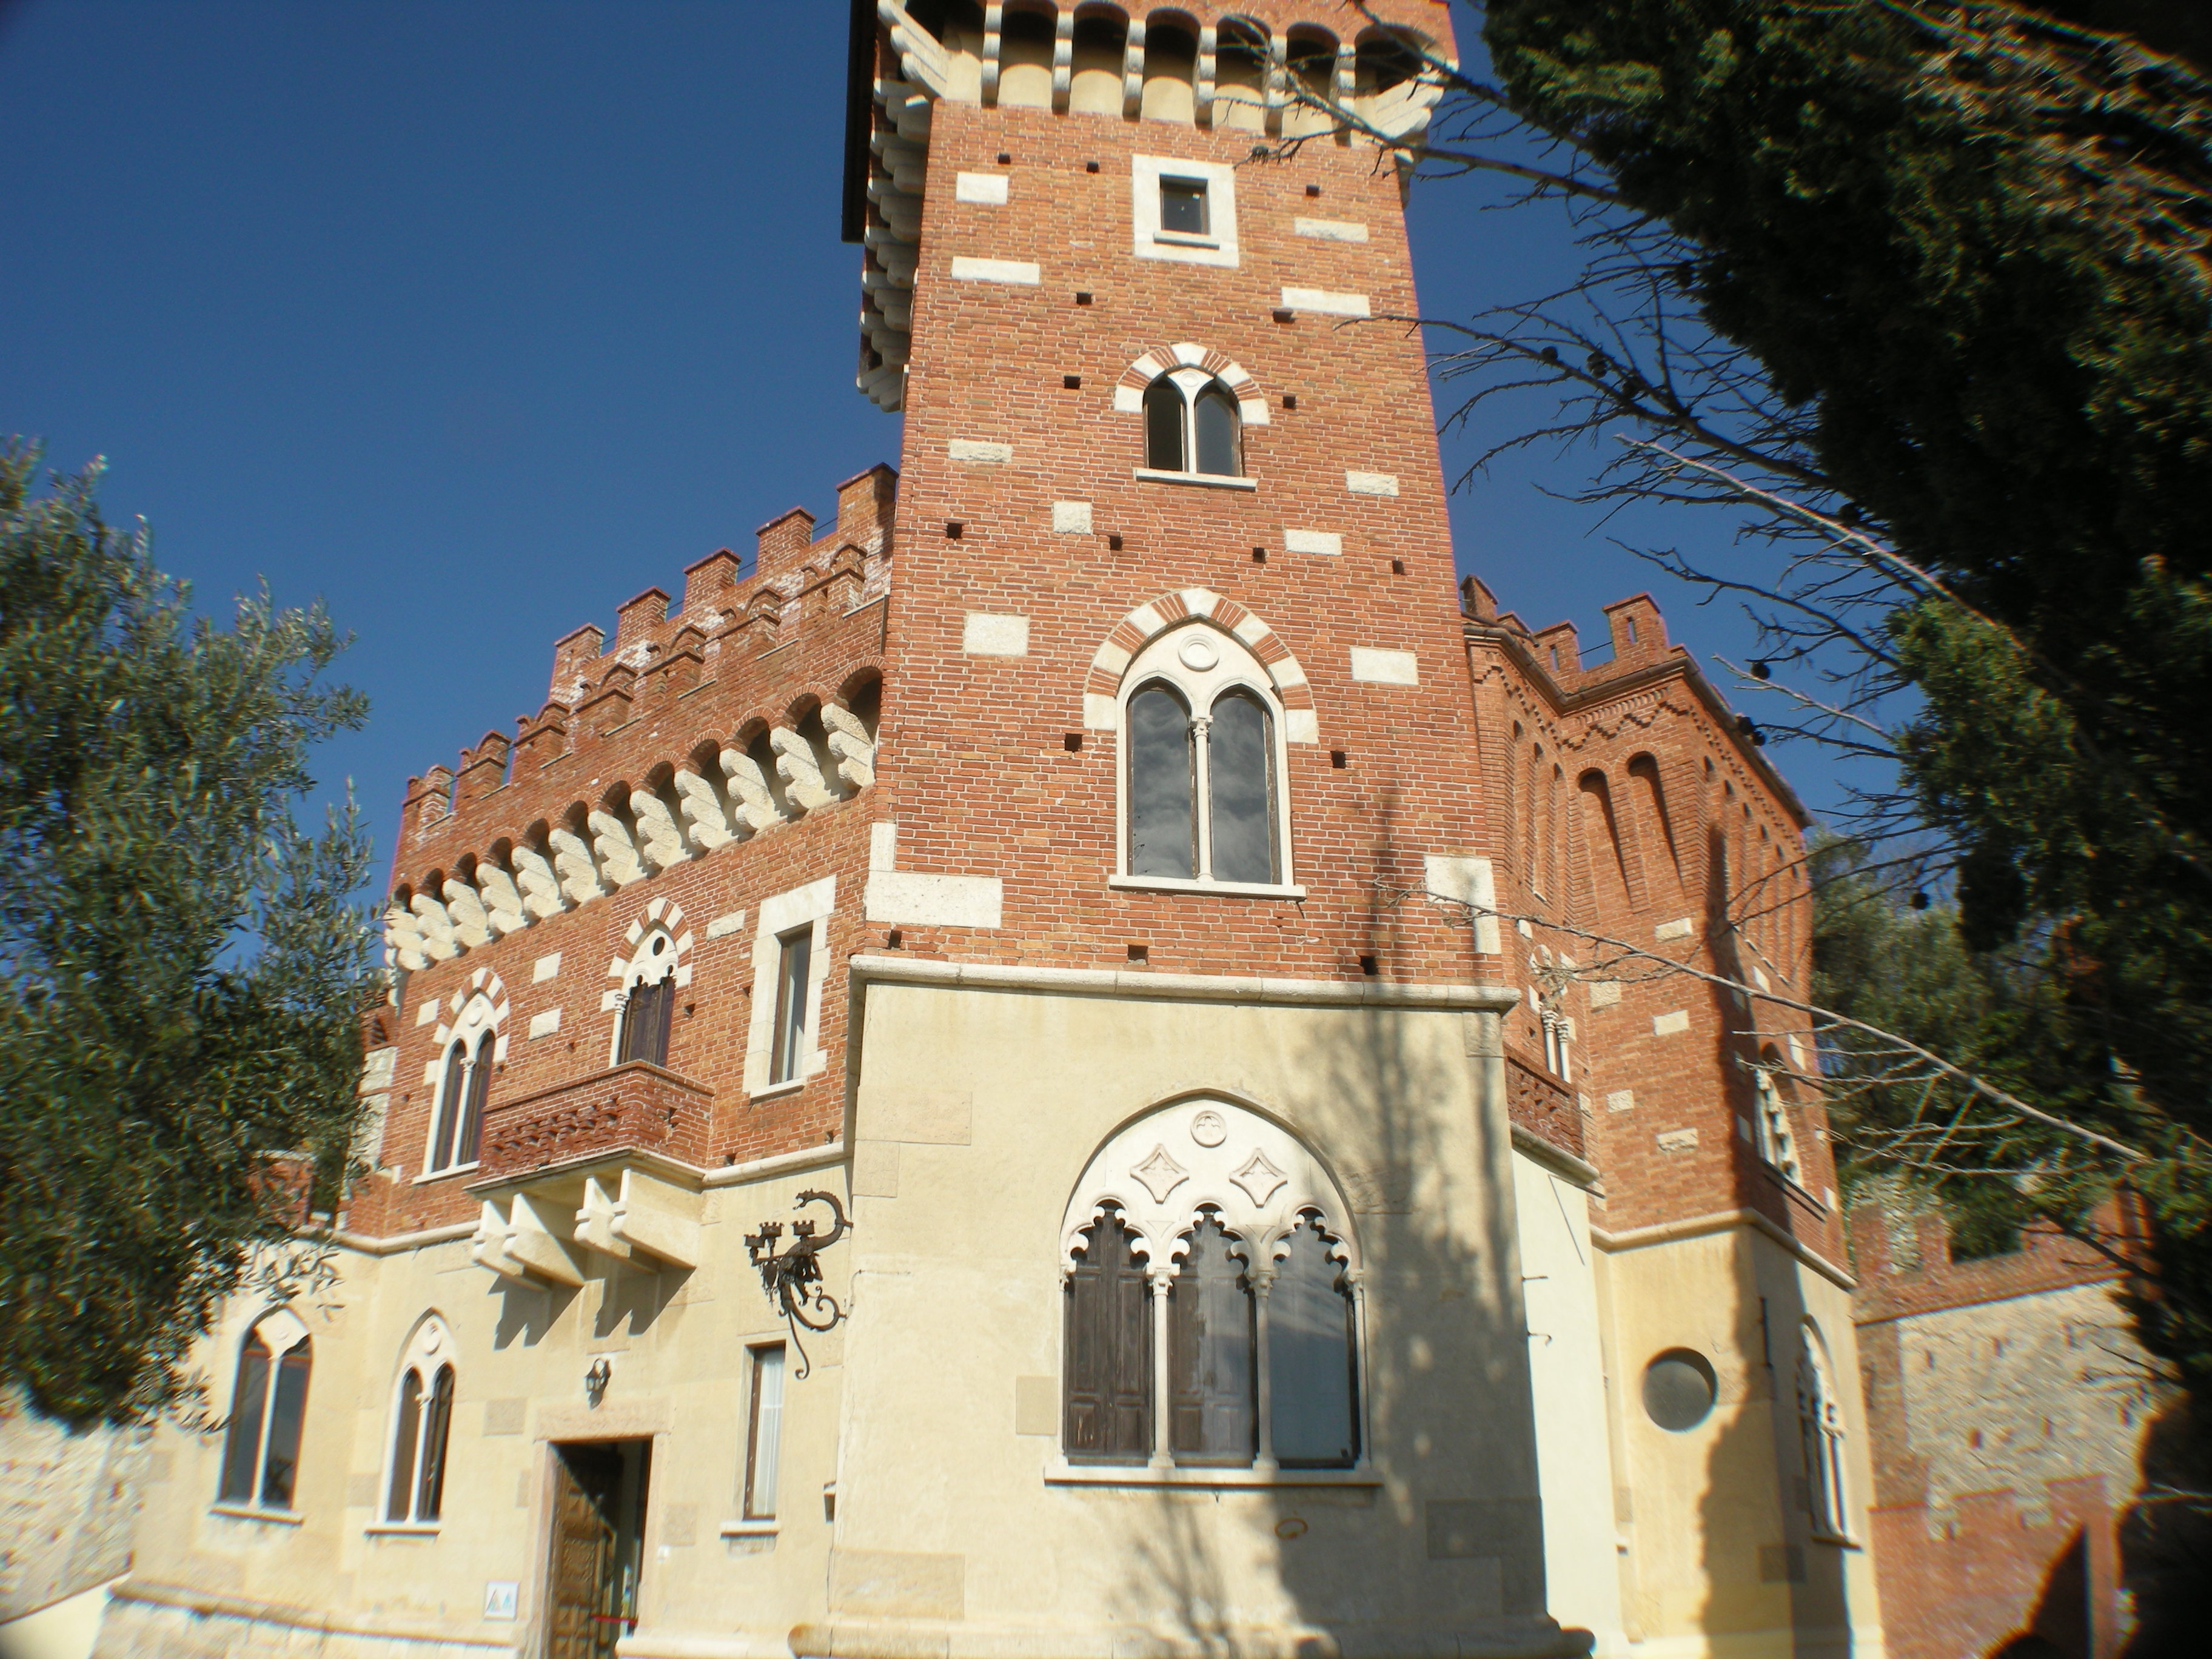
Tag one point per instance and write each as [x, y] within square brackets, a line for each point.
[1183, 206]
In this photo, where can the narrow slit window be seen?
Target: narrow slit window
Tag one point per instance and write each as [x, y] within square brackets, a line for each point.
[470, 1137]
[1312, 1356]
[764, 1433]
[451, 1097]
[794, 957]
[1240, 762]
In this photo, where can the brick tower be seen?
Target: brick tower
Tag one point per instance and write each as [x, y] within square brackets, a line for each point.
[1111, 866]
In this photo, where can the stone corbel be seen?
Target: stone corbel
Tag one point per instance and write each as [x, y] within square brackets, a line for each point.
[522, 1244]
[646, 1222]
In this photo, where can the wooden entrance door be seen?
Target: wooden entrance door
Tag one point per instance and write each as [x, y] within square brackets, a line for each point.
[583, 1605]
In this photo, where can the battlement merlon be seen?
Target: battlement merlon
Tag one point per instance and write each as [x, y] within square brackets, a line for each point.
[1274, 68]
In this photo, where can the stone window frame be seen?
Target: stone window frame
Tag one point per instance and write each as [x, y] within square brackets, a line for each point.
[1218, 247]
[1822, 1435]
[780, 914]
[281, 1334]
[1238, 669]
[429, 1352]
[476, 1017]
[1193, 368]
[1264, 1183]
[663, 919]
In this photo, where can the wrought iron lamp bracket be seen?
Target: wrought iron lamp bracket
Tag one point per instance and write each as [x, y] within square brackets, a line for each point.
[792, 1275]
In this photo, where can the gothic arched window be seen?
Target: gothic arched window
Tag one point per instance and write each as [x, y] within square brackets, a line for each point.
[268, 1409]
[456, 1116]
[1192, 425]
[421, 1419]
[1201, 794]
[1820, 1430]
[1253, 1291]
[649, 1005]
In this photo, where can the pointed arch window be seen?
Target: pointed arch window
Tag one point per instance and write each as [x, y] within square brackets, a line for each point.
[1215, 1334]
[456, 1114]
[1202, 799]
[422, 1421]
[268, 1410]
[1193, 426]
[1820, 1430]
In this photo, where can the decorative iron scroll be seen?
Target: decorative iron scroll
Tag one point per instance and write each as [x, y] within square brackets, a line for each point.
[792, 1276]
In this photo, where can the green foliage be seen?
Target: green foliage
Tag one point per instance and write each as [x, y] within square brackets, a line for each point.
[183, 968]
[1967, 244]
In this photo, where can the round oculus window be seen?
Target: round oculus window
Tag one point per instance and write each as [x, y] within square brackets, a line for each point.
[1198, 654]
[1679, 1389]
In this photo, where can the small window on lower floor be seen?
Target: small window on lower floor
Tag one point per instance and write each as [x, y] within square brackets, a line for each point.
[764, 1433]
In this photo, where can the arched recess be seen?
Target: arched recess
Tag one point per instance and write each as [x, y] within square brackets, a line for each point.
[1102, 709]
[1214, 1309]
[645, 983]
[1129, 390]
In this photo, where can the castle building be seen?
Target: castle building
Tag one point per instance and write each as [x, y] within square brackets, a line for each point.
[1132, 954]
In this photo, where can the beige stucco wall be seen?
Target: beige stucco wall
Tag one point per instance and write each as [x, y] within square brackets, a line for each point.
[1720, 1559]
[1566, 1363]
[676, 1342]
[976, 1111]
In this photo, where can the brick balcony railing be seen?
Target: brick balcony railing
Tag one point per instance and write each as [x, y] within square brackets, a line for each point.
[1541, 1104]
[639, 1107]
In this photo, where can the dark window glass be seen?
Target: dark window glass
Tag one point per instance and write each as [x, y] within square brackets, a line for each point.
[1183, 206]
[450, 1107]
[1107, 1414]
[1162, 817]
[1240, 760]
[1679, 1389]
[1163, 425]
[1215, 416]
[430, 1489]
[796, 953]
[1312, 1377]
[287, 1412]
[646, 1018]
[241, 1444]
[406, 1435]
[1211, 1381]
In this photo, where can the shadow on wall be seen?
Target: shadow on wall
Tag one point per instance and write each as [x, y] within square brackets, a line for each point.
[2165, 1537]
[1438, 1297]
[1765, 1569]
[2062, 1626]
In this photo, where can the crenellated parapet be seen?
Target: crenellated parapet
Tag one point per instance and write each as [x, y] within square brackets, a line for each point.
[770, 683]
[1274, 70]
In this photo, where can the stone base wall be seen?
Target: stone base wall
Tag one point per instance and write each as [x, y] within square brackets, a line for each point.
[159, 1622]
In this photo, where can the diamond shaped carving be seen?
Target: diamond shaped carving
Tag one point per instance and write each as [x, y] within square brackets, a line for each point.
[1260, 1179]
[1161, 1174]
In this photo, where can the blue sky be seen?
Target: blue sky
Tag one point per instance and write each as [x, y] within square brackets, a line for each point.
[474, 318]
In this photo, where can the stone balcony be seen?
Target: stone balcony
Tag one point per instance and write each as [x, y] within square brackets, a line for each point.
[1540, 1101]
[639, 1107]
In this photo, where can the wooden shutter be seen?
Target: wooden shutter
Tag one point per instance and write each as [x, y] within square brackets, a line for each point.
[1212, 1384]
[1108, 1386]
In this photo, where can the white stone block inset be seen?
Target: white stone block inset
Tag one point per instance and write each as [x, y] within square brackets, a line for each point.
[1467, 880]
[1670, 1024]
[1325, 230]
[905, 897]
[1023, 272]
[986, 636]
[882, 845]
[723, 926]
[1379, 667]
[1679, 1140]
[1301, 726]
[981, 451]
[1680, 927]
[1604, 992]
[427, 1012]
[1326, 303]
[545, 968]
[985, 189]
[1326, 543]
[546, 1024]
[1372, 484]
[1103, 713]
[1621, 1100]
[1071, 517]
